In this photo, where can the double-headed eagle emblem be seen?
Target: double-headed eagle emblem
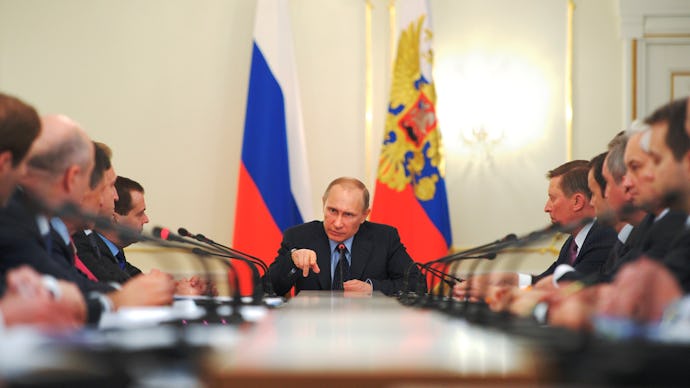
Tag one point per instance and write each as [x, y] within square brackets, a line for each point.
[411, 151]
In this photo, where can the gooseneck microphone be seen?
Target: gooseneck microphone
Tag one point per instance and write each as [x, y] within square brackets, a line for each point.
[233, 253]
[487, 251]
[235, 317]
[257, 296]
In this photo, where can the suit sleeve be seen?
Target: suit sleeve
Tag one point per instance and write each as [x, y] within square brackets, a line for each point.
[403, 274]
[282, 272]
[549, 271]
[677, 260]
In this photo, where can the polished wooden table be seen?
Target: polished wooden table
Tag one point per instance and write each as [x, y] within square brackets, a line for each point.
[323, 338]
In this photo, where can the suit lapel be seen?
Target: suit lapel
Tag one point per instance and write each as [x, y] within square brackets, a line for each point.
[103, 250]
[323, 259]
[361, 250]
[563, 255]
[589, 240]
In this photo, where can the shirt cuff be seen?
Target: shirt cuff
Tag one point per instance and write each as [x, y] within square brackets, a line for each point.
[559, 272]
[51, 284]
[105, 302]
[524, 280]
[540, 312]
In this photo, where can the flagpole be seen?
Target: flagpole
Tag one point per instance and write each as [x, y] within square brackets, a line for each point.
[369, 92]
[393, 33]
[569, 82]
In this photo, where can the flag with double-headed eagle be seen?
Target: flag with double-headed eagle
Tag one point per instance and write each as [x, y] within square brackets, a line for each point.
[273, 192]
[410, 187]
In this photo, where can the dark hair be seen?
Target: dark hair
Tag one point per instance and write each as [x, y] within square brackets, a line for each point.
[674, 114]
[596, 165]
[124, 187]
[19, 127]
[574, 179]
[102, 155]
[351, 182]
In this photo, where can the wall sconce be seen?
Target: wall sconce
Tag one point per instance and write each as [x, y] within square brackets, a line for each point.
[480, 137]
[493, 103]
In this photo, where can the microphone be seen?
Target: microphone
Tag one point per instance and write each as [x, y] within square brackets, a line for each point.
[232, 253]
[167, 235]
[243, 256]
[480, 251]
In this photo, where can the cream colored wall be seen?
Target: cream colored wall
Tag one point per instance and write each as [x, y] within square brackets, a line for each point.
[164, 83]
[597, 76]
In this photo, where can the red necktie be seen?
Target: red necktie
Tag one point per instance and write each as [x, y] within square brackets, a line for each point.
[79, 264]
[572, 252]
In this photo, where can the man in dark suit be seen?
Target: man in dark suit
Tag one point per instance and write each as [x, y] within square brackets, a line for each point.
[585, 250]
[26, 297]
[104, 256]
[59, 166]
[344, 252]
[102, 249]
[657, 165]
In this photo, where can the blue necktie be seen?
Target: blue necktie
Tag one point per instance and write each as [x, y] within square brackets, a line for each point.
[47, 239]
[342, 269]
[121, 259]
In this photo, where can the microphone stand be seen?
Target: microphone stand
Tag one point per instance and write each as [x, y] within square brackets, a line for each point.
[481, 251]
[211, 309]
[257, 296]
[236, 254]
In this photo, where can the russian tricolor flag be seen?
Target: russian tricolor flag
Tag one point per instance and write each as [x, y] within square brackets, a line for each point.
[273, 191]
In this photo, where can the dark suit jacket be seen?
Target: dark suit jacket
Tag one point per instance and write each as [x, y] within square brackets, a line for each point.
[21, 243]
[654, 239]
[98, 258]
[591, 255]
[677, 260]
[377, 254]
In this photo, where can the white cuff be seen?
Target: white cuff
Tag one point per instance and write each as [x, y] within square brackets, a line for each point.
[51, 284]
[559, 272]
[105, 302]
[540, 311]
[524, 280]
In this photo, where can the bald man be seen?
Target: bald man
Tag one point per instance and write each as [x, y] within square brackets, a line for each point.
[58, 173]
[25, 297]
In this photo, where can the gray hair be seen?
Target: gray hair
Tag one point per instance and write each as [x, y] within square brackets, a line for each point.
[615, 161]
[73, 149]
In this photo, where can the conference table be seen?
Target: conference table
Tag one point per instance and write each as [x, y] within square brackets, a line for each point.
[331, 339]
[324, 338]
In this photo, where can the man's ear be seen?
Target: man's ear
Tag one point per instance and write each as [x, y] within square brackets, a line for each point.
[6, 161]
[686, 163]
[579, 201]
[69, 177]
[366, 214]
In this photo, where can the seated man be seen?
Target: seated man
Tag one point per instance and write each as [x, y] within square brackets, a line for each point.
[59, 167]
[102, 250]
[25, 299]
[568, 204]
[344, 252]
[642, 290]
